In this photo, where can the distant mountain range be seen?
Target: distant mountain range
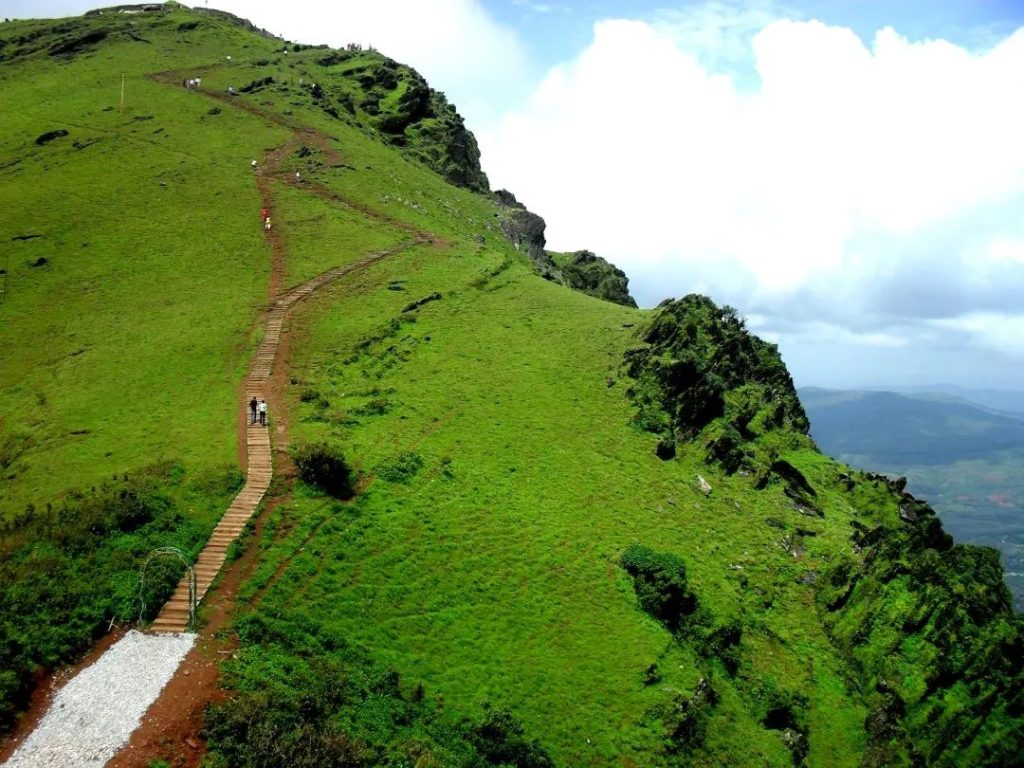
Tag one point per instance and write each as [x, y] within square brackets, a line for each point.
[961, 449]
[996, 399]
[901, 430]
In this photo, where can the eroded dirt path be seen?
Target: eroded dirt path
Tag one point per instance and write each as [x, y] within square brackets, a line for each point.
[171, 728]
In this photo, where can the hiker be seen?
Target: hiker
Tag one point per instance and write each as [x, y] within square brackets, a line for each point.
[266, 224]
[253, 405]
[264, 215]
[199, 82]
[254, 166]
[263, 413]
[298, 176]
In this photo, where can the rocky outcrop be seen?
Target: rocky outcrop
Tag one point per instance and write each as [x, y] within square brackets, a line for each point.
[526, 231]
[408, 113]
[702, 376]
[958, 697]
[445, 143]
[585, 271]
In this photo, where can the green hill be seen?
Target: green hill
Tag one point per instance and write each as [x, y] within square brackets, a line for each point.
[582, 533]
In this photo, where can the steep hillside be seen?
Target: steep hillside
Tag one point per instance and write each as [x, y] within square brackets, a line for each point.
[514, 524]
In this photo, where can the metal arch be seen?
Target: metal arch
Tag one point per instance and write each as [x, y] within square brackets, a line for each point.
[169, 552]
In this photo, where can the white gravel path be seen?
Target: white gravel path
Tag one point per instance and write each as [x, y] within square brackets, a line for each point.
[94, 715]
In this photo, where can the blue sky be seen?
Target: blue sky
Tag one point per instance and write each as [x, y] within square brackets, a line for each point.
[849, 174]
[554, 30]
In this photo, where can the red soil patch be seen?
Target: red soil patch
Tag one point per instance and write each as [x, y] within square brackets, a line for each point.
[172, 727]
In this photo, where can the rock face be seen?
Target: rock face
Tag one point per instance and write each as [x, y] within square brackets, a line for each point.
[910, 586]
[589, 273]
[408, 113]
[526, 231]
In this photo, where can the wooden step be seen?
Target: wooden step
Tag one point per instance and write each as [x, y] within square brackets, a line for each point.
[260, 470]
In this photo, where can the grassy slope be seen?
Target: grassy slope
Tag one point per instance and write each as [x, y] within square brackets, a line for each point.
[136, 331]
[499, 583]
[491, 574]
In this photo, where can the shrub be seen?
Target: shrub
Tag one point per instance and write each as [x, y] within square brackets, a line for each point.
[67, 569]
[376, 407]
[401, 468]
[324, 467]
[686, 718]
[660, 582]
[500, 740]
[665, 449]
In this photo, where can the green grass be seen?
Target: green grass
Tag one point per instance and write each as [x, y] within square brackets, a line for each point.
[492, 574]
[319, 236]
[128, 344]
[502, 476]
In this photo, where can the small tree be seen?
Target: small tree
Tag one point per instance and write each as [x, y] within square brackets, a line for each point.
[323, 466]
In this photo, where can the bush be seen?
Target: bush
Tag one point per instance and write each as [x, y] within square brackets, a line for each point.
[401, 468]
[67, 570]
[686, 718]
[500, 740]
[665, 449]
[660, 582]
[324, 467]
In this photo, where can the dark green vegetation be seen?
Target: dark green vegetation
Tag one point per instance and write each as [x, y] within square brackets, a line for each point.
[324, 467]
[520, 579]
[593, 275]
[930, 626]
[68, 571]
[372, 90]
[307, 699]
[701, 373]
[966, 459]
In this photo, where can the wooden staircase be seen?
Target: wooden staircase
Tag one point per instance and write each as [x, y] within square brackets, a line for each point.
[175, 614]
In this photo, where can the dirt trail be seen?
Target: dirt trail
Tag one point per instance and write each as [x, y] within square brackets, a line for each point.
[176, 614]
[255, 442]
[172, 725]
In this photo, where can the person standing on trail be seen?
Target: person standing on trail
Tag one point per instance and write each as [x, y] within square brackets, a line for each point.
[263, 413]
[266, 224]
[298, 176]
[253, 405]
[264, 215]
[253, 165]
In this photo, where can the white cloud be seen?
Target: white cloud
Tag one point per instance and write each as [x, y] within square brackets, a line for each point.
[1006, 249]
[859, 186]
[455, 44]
[1000, 331]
